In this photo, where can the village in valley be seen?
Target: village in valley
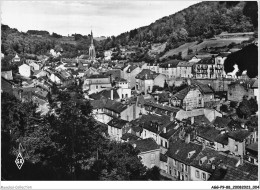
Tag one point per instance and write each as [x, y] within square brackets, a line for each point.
[184, 114]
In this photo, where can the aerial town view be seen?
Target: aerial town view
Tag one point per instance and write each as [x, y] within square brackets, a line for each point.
[174, 98]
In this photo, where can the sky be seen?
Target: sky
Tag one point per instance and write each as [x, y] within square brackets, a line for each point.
[103, 17]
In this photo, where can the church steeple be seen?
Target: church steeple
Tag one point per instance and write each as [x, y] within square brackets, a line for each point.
[92, 38]
[92, 53]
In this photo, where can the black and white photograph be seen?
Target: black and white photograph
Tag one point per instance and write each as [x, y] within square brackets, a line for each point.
[122, 94]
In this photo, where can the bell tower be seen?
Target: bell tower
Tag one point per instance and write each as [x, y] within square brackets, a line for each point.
[92, 53]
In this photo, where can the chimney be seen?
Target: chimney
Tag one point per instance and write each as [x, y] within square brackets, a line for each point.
[171, 118]
[213, 166]
[146, 76]
[164, 130]
[112, 94]
[134, 145]
[188, 82]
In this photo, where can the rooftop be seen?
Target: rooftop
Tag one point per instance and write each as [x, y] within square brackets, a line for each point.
[208, 133]
[129, 136]
[239, 135]
[115, 106]
[145, 145]
[179, 150]
[207, 61]
[106, 93]
[117, 123]
[147, 74]
[221, 122]
[170, 64]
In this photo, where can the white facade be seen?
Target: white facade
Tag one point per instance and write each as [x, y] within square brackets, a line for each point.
[198, 174]
[25, 70]
[130, 77]
[55, 79]
[124, 93]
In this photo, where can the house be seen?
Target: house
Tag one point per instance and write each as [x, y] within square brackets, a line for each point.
[207, 92]
[206, 135]
[219, 66]
[35, 66]
[153, 67]
[146, 79]
[107, 94]
[188, 98]
[169, 68]
[116, 128]
[185, 69]
[208, 162]
[239, 139]
[159, 109]
[16, 58]
[123, 89]
[126, 112]
[252, 153]
[96, 83]
[239, 89]
[205, 68]
[129, 74]
[149, 152]
[8, 75]
[40, 73]
[180, 156]
[210, 114]
[25, 70]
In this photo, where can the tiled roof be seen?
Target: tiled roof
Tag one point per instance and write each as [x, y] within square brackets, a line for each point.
[203, 87]
[179, 150]
[208, 157]
[170, 64]
[222, 138]
[160, 108]
[253, 147]
[208, 133]
[239, 135]
[171, 129]
[207, 61]
[105, 93]
[201, 119]
[129, 136]
[115, 106]
[255, 85]
[97, 76]
[98, 104]
[185, 64]
[131, 68]
[223, 54]
[221, 122]
[117, 123]
[145, 145]
[147, 74]
[245, 172]
[181, 94]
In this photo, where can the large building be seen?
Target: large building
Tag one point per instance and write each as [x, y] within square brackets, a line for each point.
[92, 53]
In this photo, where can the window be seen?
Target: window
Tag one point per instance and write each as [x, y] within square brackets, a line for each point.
[186, 177]
[175, 172]
[145, 133]
[122, 96]
[174, 162]
[197, 174]
[166, 144]
[161, 142]
[127, 118]
[152, 157]
[170, 170]
[203, 176]
[182, 168]
[186, 168]
[126, 95]
[96, 86]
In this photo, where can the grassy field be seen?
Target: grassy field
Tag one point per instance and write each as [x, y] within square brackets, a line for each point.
[218, 42]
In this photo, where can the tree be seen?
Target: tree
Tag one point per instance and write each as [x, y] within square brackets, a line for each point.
[247, 107]
[224, 108]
